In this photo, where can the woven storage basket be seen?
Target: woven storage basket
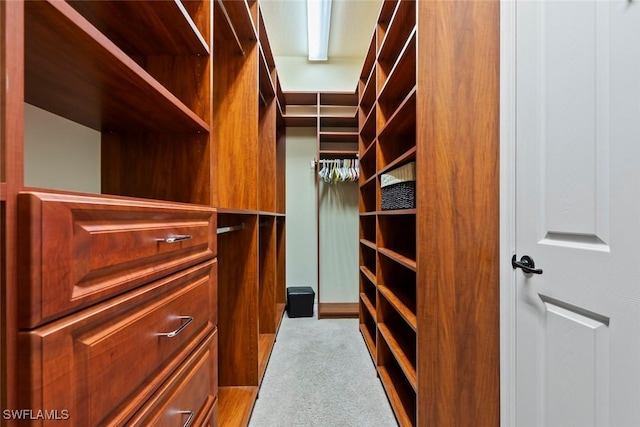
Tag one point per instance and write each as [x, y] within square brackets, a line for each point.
[398, 188]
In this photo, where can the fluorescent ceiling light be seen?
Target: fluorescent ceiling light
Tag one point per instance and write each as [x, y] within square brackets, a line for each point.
[318, 22]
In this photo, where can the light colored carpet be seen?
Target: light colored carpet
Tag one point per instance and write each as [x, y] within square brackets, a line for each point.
[321, 375]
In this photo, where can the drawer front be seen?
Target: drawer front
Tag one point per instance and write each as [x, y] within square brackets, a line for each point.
[187, 397]
[78, 250]
[103, 363]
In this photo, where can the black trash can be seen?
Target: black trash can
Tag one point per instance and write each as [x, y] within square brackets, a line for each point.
[300, 301]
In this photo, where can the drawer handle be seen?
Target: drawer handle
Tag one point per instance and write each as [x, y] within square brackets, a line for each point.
[172, 334]
[189, 419]
[174, 239]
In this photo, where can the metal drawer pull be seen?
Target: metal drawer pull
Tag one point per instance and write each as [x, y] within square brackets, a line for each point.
[191, 415]
[178, 238]
[172, 334]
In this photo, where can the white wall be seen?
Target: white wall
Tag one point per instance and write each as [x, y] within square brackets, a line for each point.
[301, 244]
[336, 75]
[339, 242]
[60, 154]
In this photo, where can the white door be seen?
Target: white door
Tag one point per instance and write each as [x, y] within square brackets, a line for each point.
[578, 213]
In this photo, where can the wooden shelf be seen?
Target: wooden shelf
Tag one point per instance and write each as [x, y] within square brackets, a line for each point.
[279, 315]
[338, 98]
[265, 345]
[369, 341]
[404, 311]
[369, 180]
[107, 90]
[403, 120]
[264, 42]
[386, 12]
[300, 121]
[403, 158]
[267, 88]
[241, 19]
[338, 136]
[369, 274]
[235, 405]
[369, 213]
[399, 258]
[400, 26]
[367, 303]
[168, 28]
[368, 243]
[368, 127]
[338, 310]
[402, 76]
[368, 98]
[396, 348]
[339, 122]
[3, 191]
[369, 59]
[402, 402]
[398, 212]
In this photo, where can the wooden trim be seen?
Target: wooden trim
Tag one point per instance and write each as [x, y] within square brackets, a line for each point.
[338, 310]
[12, 173]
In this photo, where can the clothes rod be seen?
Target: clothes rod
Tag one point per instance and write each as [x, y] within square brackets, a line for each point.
[222, 230]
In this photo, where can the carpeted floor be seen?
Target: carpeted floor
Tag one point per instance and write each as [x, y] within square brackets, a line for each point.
[321, 375]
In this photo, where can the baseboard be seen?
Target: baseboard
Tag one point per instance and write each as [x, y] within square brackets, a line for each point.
[338, 310]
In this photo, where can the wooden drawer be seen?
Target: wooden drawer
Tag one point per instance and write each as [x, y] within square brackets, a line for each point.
[103, 363]
[188, 397]
[77, 250]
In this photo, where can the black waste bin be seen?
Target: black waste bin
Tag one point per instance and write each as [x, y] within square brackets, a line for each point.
[300, 301]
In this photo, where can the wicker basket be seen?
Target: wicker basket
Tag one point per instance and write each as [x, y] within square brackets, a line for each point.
[398, 188]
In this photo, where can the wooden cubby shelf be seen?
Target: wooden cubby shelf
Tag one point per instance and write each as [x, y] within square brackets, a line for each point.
[398, 304]
[369, 340]
[397, 349]
[401, 78]
[400, 26]
[399, 258]
[401, 395]
[368, 243]
[241, 18]
[265, 345]
[113, 20]
[127, 98]
[372, 277]
[368, 304]
[236, 403]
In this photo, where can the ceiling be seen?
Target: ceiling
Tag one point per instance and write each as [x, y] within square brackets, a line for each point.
[352, 26]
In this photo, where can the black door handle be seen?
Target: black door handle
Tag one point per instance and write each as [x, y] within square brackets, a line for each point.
[526, 264]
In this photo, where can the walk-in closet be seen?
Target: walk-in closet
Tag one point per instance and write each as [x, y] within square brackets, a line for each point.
[171, 170]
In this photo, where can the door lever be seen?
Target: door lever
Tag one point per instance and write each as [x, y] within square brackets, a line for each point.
[526, 264]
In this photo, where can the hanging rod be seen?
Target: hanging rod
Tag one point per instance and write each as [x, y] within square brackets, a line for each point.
[315, 161]
[222, 230]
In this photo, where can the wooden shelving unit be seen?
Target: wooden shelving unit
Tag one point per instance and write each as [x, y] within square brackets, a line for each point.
[249, 156]
[148, 94]
[419, 311]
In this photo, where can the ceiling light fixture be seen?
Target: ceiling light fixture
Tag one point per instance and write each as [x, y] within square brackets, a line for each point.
[318, 23]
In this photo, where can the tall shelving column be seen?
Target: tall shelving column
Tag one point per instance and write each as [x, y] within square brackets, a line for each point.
[367, 145]
[429, 275]
[396, 314]
[248, 155]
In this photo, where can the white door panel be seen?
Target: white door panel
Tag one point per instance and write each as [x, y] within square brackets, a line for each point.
[578, 213]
